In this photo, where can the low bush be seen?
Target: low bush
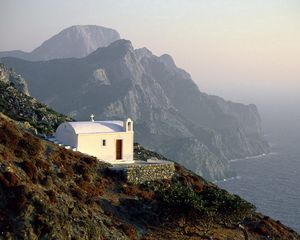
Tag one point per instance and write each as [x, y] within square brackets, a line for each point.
[222, 204]
[77, 193]
[89, 160]
[18, 197]
[11, 178]
[80, 168]
[6, 155]
[40, 225]
[130, 190]
[52, 196]
[147, 195]
[180, 197]
[42, 164]
[86, 177]
[92, 190]
[30, 145]
[8, 134]
[8, 179]
[30, 170]
[211, 202]
[263, 229]
[129, 231]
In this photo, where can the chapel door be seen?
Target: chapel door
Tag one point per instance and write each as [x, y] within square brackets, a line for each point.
[119, 144]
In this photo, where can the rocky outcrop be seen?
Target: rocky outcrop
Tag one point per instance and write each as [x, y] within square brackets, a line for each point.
[19, 106]
[76, 41]
[171, 115]
[11, 77]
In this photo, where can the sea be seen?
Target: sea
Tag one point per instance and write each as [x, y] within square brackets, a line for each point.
[272, 181]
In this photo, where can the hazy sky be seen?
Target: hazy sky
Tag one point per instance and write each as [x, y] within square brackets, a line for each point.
[244, 50]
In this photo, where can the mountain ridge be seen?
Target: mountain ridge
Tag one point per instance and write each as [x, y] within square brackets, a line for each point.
[172, 116]
[44, 187]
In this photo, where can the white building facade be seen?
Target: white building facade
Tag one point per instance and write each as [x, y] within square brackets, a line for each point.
[110, 141]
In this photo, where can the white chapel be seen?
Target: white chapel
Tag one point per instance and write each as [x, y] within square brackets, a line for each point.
[110, 141]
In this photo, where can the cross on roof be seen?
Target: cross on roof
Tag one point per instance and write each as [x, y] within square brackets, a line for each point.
[92, 117]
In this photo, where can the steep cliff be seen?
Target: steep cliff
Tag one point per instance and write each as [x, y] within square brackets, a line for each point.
[171, 115]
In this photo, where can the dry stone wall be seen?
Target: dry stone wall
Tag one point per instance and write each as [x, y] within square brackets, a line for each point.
[139, 173]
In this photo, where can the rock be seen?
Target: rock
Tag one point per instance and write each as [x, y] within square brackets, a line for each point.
[10, 76]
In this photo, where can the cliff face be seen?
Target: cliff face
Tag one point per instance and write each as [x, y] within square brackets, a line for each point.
[48, 192]
[171, 115]
[11, 77]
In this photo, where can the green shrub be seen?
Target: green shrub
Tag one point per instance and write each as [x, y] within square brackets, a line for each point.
[221, 203]
[212, 202]
[180, 197]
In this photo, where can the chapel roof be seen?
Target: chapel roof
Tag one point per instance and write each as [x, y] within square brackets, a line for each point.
[97, 127]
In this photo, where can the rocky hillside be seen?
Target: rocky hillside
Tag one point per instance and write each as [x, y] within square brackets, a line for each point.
[48, 192]
[76, 41]
[171, 115]
[9, 76]
[19, 106]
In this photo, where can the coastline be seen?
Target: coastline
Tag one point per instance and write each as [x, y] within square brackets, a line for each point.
[237, 177]
[252, 157]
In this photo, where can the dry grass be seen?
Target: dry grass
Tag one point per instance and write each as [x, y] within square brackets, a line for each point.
[52, 196]
[30, 170]
[8, 179]
[129, 230]
[51, 181]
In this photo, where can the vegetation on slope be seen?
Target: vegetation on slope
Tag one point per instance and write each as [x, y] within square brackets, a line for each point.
[48, 192]
[24, 108]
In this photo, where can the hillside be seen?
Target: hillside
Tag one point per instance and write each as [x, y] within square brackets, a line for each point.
[48, 192]
[18, 105]
[172, 116]
[44, 187]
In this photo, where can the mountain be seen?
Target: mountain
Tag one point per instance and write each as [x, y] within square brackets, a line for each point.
[76, 41]
[49, 192]
[172, 116]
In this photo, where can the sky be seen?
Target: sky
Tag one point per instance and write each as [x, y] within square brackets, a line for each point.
[242, 50]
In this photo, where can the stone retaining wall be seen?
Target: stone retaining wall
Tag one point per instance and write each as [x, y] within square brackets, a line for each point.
[139, 173]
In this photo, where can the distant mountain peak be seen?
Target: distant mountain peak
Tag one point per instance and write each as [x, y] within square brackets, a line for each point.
[87, 29]
[75, 41]
[167, 60]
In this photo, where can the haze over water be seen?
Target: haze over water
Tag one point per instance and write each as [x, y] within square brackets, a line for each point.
[272, 182]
